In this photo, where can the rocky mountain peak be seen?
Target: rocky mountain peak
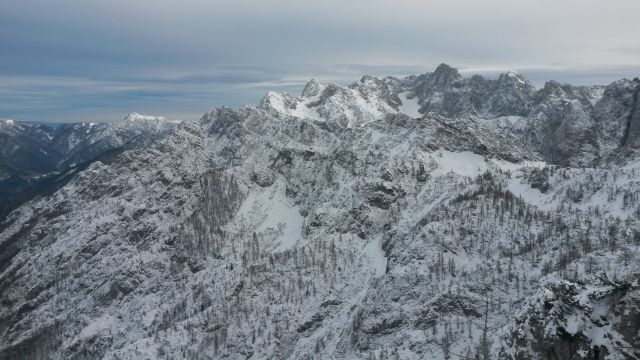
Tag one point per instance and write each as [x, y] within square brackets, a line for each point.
[517, 79]
[312, 88]
[445, 75]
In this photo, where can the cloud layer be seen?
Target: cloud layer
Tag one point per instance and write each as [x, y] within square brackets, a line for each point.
[71, 60]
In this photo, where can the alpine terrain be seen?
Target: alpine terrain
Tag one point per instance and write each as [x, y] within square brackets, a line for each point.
[427, 217]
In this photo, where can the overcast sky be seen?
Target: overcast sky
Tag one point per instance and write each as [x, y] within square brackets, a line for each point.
[95, 60]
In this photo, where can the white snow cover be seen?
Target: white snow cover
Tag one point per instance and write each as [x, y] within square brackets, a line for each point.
[515, 75]
[296, 107]
[275, 214]
[409, 106]
[134, 116]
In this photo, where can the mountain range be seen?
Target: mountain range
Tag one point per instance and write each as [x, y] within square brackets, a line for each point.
[430, 216]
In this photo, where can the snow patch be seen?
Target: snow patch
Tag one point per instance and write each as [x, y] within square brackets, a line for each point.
[300, 108]
[515, 75]
[409, 106]
[463, 163]
[100, 325]
[574, 324]
[530, 195]
[375, 254]
[270, 211]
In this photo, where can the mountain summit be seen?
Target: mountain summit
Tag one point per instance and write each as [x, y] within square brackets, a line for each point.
[568, 125]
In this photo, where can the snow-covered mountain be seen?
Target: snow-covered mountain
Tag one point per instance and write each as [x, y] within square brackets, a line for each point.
[431, 216]
[36, 159]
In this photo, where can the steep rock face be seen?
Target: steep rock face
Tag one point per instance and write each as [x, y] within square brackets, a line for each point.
[511, 95]
[570, 320]
[441, 92]
[561, 126]
[318, 227]
[620, 104]
[632, 135]
[446, 92]
[616, 106]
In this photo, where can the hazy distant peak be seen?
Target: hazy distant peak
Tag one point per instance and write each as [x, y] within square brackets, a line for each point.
[134, 116]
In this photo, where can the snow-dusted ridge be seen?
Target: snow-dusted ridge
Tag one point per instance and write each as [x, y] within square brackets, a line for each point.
[428, 216]
[135, 117]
